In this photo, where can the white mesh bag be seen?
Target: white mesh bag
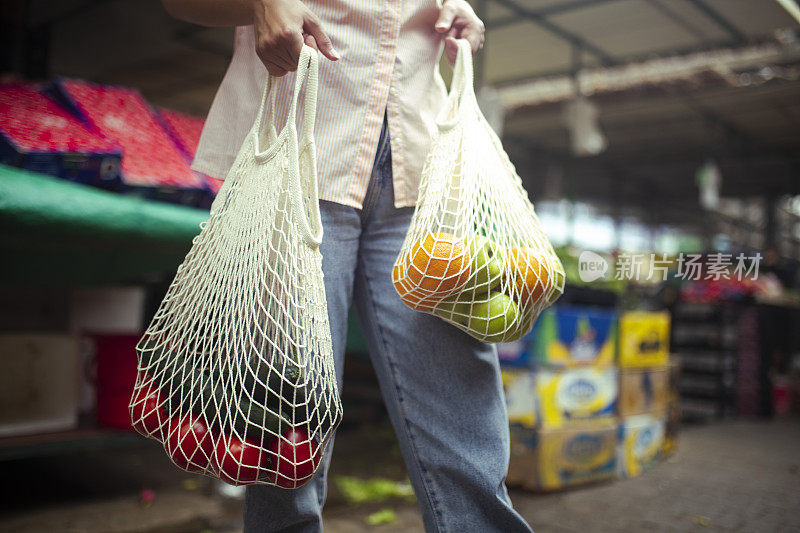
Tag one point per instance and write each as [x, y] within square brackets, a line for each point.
[475, 253]
[236, 375]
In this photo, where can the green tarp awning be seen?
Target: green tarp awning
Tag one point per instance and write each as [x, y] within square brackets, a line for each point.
[57, 233]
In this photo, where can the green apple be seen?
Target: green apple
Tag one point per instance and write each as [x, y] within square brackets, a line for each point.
[558, 286]
[494, 317]
[455, 309]
[522, 327]
[486, 264]
[489, 319]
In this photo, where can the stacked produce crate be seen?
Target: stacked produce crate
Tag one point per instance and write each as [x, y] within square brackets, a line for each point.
[645, 390]
[561, 387]
[589, 396]
[104, 136]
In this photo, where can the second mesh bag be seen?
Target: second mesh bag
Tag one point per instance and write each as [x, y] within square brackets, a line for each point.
[475, 253]
[236, 375]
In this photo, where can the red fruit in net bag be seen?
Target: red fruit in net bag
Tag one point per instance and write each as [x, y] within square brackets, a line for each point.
[297, 457]
[240, 461]
[146, 414]
[190, 443]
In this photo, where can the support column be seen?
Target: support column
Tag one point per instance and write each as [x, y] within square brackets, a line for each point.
[771, 237]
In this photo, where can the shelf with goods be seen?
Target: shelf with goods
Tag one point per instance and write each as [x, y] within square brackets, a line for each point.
[731, 350]
[89, 206]
[704, 338]
[78, 257]
[72, 251]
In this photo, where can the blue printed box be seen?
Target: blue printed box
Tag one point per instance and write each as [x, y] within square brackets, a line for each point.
[569, 337]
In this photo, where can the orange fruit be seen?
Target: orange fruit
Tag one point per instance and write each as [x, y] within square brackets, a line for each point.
[530, 277]
[415, 299]
[439, 264]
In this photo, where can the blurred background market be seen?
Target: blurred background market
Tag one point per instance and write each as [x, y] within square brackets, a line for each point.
[660, 143]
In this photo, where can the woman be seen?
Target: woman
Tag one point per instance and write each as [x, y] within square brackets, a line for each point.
[379, 94]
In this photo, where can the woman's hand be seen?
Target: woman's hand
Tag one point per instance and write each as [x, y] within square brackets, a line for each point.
[457, 20]
[281, 27]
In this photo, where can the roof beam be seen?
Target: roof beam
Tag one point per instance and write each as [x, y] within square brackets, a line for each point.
[547, 12]
[662, 71]
[736, 35]
[574, 39]
[622, 60]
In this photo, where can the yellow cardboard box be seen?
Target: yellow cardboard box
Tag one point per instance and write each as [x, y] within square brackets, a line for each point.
[552, 459]
[641, 443]
[643, 390]
[578, 394]
[519, 385]
[643, 339]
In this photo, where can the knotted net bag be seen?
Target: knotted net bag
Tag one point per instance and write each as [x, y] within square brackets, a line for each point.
[236, 375]
[475, 253]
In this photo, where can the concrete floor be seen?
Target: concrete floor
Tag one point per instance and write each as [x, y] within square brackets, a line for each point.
[733, 476]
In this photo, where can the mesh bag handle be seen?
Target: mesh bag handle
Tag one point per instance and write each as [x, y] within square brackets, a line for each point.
[303, 184]
[462, 97]
[308, 72]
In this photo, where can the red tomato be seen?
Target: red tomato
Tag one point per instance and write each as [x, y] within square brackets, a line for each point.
[146, 414]
[240, 461]
[297, 458]
[189, 443]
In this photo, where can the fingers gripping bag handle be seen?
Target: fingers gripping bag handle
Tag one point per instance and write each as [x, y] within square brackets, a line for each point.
[475, 254]
[236, 376]
[461, 100]
[304, 191]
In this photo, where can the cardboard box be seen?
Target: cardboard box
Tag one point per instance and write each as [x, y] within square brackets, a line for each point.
[39, 135]
[580, 394]
[555, 459]
[38, 383]
[108, 310]
[524, 459]
[643, 390]
[643, 339]
[641, 443]
[519, 385]
[569, 337]
[152, 167]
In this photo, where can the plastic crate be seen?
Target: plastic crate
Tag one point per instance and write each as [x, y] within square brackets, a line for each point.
[39, 135]
[152, 167]
[185, 131]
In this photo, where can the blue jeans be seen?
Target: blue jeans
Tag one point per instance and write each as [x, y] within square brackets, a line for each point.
[442, 388]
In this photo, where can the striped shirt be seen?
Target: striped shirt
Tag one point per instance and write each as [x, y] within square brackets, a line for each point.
[389, 65]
